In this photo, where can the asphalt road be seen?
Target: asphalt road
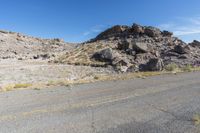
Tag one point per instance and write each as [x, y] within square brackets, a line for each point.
[160, 104]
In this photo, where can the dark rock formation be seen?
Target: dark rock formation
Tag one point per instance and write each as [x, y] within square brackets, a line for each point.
[143, 48]
[154, 64]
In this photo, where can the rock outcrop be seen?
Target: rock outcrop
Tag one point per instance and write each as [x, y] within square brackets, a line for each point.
[138, 48]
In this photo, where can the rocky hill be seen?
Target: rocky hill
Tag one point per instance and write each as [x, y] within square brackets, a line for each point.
[134, 48]
[18, 46]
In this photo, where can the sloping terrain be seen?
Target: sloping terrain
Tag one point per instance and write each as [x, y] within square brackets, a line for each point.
[24, 61]
[18, 46]
[134, 48]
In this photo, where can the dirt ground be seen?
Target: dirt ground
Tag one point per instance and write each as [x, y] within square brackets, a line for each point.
[33, 72]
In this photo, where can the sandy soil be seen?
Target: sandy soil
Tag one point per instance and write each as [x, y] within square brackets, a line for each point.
[29, 71]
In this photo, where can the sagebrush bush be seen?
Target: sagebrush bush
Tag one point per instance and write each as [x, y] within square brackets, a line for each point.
[171, 67]
[187, 68]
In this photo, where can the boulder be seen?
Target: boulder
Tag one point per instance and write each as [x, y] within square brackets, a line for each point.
[36, 57]
[140, 47]
[124, 45]
[45, 56]
[195, 43]
[154, 64]
[167, 33]
[133, 68]
[137, 29]
[152, 31]
[180, 49]
[105, 55]
[121, 64]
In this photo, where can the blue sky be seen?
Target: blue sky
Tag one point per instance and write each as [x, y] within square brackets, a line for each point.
[80, 20]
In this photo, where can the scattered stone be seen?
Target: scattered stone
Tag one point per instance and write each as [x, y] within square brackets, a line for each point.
[20, 58]
[45, 56]
[36, 57]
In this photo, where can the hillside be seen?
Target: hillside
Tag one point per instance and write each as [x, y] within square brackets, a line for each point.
[18, 46]
[134, 48]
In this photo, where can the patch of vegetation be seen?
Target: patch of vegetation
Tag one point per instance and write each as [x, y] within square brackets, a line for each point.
[8, 87]
[171, 67]
[196, 119]
[37, 89]
[16, 86]
[11, 87]
[187, 68]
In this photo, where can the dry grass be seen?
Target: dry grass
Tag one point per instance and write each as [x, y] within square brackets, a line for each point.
[187, 68]
[96, 77]
[11, 87]
[171, 67]
[82, 55]
[25, 85]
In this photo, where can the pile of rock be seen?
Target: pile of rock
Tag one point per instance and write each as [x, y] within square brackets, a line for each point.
[142, 48]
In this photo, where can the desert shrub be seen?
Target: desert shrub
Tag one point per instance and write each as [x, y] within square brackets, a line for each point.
[171, 67]
[187, 68]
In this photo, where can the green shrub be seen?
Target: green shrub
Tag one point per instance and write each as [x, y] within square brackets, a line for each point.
[171, 67]
[187, 68]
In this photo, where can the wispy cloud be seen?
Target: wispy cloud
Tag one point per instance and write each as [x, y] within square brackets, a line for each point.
[94, 30]
[183, 27]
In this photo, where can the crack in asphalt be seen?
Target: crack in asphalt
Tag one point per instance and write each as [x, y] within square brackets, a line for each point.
[179, 118]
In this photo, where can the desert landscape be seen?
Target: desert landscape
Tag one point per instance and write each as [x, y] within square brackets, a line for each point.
[100, 66]
[118, 52]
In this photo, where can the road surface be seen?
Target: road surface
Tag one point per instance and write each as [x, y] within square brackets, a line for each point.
[159, 104]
